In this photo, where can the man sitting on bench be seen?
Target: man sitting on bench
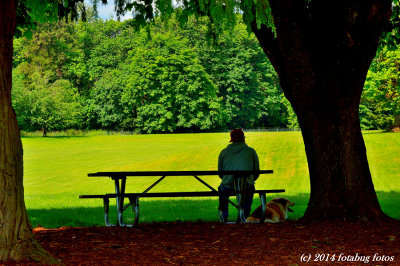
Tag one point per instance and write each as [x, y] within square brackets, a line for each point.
[237, 156]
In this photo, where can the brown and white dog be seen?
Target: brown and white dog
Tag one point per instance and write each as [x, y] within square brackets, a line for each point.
[276, 211]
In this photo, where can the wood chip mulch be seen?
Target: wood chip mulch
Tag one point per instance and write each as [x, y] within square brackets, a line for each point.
[205, 243]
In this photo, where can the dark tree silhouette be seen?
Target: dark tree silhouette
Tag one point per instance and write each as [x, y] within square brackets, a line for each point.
[322, 52]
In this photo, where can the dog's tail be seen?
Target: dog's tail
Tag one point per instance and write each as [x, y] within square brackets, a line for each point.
[255, 216]
[252, 219]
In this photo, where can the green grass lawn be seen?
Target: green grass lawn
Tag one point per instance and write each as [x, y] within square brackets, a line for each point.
[55, 172]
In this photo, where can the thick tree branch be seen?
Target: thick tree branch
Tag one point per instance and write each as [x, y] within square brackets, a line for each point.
[270, 45]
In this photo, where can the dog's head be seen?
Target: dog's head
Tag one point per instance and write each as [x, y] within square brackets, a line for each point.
[284, 202]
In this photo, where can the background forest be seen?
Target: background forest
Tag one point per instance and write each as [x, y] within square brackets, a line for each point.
[167, 78]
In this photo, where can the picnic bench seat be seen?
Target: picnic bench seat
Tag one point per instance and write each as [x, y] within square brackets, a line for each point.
[134, 197]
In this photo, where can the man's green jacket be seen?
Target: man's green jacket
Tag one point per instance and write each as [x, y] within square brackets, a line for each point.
[238, 156]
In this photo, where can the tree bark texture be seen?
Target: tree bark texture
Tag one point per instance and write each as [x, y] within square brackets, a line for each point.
[17, 241]
[322, 52]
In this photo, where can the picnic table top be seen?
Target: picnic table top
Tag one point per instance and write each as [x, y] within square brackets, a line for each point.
[179, 173]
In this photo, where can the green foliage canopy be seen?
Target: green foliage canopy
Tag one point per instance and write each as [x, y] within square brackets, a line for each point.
[173, 81]
[380, 104]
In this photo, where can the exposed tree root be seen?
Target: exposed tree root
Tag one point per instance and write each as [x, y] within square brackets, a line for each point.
[28, 250]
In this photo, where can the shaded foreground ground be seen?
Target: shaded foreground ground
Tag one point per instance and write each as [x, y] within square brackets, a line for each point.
[232, 244]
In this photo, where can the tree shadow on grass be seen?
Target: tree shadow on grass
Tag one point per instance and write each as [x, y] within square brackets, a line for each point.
[154, 210]
[390, 203]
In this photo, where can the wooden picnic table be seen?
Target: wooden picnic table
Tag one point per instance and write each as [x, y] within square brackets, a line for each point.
[120, 194]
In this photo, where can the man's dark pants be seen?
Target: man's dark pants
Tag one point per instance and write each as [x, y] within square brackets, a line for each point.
[247, 200]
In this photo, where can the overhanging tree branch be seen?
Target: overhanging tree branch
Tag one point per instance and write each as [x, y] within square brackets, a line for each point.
[270, 45]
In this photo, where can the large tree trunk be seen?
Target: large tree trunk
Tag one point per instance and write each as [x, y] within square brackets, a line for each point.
[322, 52]
[341, 183]
[17, 241]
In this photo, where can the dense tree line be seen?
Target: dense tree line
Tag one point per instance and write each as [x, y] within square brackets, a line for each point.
[167, 78]
[104, 74]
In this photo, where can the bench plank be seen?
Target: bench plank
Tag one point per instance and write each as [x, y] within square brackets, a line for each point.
[174, 194]
[187, 194]
[179, 173]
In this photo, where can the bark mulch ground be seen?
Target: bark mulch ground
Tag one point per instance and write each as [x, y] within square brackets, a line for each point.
[205, 243]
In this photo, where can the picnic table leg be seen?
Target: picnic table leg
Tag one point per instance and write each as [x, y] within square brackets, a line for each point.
[240, 196]
[263, 207]
[106, 204]
[120, 200]
[134, 202]
[241, 217]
